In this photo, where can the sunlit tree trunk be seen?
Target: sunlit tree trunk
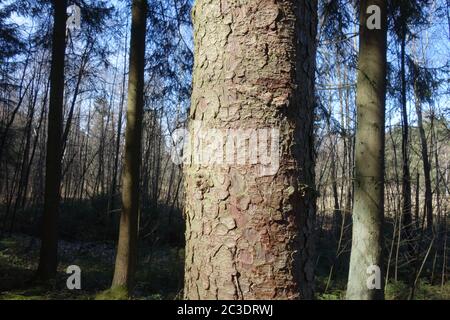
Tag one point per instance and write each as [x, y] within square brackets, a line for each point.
[368, 209]
[426, 167]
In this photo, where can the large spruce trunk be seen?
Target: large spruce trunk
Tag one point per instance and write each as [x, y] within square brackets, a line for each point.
[249, 229]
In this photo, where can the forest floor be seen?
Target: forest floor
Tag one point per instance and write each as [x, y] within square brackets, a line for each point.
[19, 256]
[159, 276]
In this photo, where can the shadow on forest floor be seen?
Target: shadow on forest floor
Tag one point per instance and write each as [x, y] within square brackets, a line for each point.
[159, 276]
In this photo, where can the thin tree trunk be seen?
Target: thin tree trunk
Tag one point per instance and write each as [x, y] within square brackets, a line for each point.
[49, 247]
[426, 167]
[111, 205]
[81, 70]
[406, 177]
[10, 122]
[417, 211]
[368, 209]
[126, 257]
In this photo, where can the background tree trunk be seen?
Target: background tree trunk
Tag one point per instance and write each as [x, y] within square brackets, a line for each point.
[128, 232]
[406, 176]
[426, 168]
[49, 247]
[368, 210]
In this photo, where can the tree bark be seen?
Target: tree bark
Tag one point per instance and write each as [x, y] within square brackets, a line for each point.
[49, 247]
[111, 204]
[249, 232]
[128, 233]
[406, 176]
[426, 168]
[368, 210]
